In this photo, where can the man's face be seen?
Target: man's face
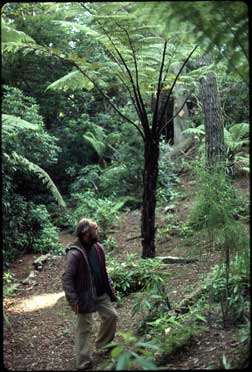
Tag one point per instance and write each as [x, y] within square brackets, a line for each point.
[93, 234]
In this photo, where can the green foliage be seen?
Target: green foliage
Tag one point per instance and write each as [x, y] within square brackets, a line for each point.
[72, 81]
[27, 228]
[167, 177]
[221, 29]
[43, 237]
[122, 176]
[231, 296]
[26, 145]
[89, 178]
[234, 101]
[245, 334]
[171, 332]
[12, 37]
[10, 286]
[24, 130]
[133, 353]
[109, 244]
[30, 167]
[213, 212]
[103, 211]
[216, 202]
[136, 274]
[22, 136]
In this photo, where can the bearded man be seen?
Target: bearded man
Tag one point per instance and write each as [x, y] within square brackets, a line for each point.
[88, 289]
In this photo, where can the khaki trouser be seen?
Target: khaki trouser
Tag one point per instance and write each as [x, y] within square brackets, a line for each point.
[83, 347]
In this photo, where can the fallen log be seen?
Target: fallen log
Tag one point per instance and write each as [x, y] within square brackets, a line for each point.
[176, 260]
[190, 300]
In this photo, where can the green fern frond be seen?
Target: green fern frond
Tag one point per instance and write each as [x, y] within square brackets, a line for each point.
[96, 144]
[42, 175]
[12, 122]
[10, 35]
[239, 131]
[74, 80]
[198, 130]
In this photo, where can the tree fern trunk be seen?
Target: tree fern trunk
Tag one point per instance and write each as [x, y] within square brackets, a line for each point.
[213, 120]
[151, 156]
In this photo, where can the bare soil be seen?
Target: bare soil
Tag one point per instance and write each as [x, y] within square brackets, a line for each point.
[41, 331]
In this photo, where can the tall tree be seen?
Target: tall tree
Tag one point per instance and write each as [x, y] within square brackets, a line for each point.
[214, 127]
[135, 53]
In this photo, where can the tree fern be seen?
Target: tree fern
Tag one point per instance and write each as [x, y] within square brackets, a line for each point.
[96, 144]
[11, 35]
[220, 27]
[239, 131]
[40, 173]
[234, 137]
[12, 122]
[72, 81]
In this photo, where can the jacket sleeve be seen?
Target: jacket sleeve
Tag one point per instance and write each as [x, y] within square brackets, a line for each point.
[69, 278]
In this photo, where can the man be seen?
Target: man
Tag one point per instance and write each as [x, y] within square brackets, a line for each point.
[88, 288]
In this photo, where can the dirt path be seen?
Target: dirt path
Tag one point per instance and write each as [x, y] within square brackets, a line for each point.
[41, 331]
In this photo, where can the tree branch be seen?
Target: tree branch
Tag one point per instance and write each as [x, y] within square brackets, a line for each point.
[167, 69]
[139, 111]
[154, 120]
[146, 122]
[103, 94]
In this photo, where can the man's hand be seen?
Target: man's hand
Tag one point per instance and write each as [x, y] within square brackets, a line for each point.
[75, 308]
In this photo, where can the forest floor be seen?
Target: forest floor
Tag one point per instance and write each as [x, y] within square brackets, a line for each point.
[40, 335]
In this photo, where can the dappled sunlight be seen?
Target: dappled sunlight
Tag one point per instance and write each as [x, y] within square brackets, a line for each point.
[37, 302]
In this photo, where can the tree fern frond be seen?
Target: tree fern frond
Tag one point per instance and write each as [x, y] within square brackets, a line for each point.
[12, 122]
[45, 178]
[239, 131]
[200, 130]
[10, 35]
[96, 144]
[74, 80]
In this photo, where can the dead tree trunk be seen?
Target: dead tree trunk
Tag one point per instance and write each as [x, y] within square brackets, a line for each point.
[213, 121]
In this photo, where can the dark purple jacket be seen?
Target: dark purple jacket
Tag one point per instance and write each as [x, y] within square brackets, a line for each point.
[77, 281]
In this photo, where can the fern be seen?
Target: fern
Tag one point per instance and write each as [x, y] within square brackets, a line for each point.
[234, 137]
[221, 28]
[74, 81]
[12, 122]
[200, 130]
[10, 35]
[239, 131]
[96, 144]
[42, 175]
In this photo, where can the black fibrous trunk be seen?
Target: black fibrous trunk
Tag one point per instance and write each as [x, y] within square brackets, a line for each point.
[151, 156]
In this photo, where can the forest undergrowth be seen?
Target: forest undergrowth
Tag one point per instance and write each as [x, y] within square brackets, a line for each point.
[166, 320]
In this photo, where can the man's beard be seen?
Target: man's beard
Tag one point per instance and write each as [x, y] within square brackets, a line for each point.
[90, 242]
[94, 240]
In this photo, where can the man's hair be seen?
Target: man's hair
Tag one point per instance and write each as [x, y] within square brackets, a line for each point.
[83, 226]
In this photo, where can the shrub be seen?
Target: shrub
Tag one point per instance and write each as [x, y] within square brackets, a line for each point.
[232, 295]
[103, 211]
[27, 228]
[215, 207]
[44, 235]
[134, 274]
